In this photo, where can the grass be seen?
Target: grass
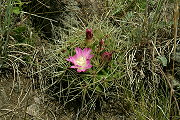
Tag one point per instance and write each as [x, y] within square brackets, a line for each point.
[139, 82]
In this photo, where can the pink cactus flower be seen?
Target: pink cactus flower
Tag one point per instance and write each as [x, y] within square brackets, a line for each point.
[81, 59]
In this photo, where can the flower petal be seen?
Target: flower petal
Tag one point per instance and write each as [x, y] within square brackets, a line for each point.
[71, 59]
[73, 67]
[81, 70]
[89, 57]
[86, 53]
[78, 51]
[88, 65]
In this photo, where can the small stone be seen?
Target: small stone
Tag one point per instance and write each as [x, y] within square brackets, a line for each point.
[33, 110]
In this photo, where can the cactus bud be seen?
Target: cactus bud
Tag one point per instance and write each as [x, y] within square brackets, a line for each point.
[89, 36]
[106, 56]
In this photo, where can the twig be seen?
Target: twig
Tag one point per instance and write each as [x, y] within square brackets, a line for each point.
[176, 17]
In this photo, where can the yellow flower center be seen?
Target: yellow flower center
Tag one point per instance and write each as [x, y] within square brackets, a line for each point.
[81, 61]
